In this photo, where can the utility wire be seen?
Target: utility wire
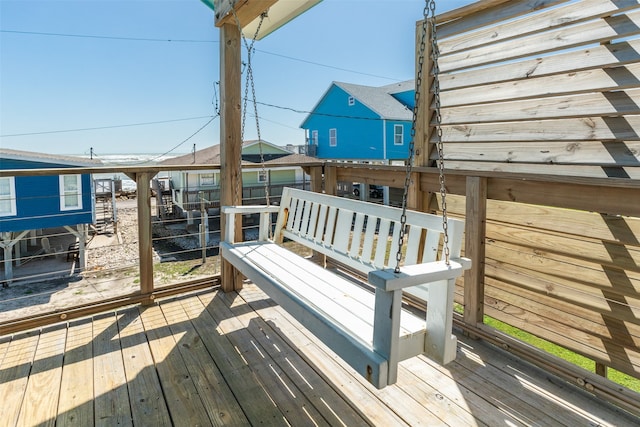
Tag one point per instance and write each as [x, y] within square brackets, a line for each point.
[143, 39]
[104, 127]
[90, 36]
[176, 147]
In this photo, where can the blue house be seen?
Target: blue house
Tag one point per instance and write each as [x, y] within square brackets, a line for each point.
[30, 203]
[362, 123]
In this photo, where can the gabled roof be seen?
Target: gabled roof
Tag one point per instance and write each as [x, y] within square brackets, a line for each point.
[377, 99]
[30, 156]
[211, 155]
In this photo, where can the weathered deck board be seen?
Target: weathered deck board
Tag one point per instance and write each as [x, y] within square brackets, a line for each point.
[250, 393]
[148, 405]
[179, 390]
[111, 399]
[284, 392]
[238, 359]
[217, 398]
[14, 374]
[75, 406]
[39, 406]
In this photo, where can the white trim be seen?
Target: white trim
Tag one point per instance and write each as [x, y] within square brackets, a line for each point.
[333, 140]
[201, 177]
[11, 197]
[67, 192]
[384, 139]
[395, 141]
[351, 101]
[314, 137]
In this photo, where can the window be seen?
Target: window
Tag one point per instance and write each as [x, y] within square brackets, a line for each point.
[333, 137]
[207, 179]
[398, 134]
[7, 196]
[352, 101]
[314, 137]
[70, 192]
[262, 176]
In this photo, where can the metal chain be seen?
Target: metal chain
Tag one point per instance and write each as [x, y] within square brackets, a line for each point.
[429, 13]
[409, 161]
[250, 82]
[435, 53]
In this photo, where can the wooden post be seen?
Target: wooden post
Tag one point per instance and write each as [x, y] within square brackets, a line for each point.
[145, 248]
[330, 180]
[316, 179]
[421, 200]
[230, 139]
[474, 248]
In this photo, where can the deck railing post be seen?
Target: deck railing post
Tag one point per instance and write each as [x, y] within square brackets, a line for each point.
[330, 180]
[145, 244]
[230, 139]
[474, 248]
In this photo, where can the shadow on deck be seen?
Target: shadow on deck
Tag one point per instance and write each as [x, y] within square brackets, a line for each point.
[210, 358]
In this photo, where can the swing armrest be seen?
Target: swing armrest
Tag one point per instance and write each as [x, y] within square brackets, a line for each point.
[418, 274]
[230, 213]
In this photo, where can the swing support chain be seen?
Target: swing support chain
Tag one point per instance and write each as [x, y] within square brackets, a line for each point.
[429, 14]
[249, 82]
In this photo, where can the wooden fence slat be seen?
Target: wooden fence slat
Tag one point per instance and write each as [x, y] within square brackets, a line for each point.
[595, 57]
[509, 298]
[609, 353]
[573, 82]
[565, 290]
[571, 171]
[580, 129]
[564, 15]
[593, 32]
[599, 153]
[613, 228]
[619, 102]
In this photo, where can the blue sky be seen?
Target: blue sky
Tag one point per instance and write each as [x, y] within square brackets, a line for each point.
[110, 66]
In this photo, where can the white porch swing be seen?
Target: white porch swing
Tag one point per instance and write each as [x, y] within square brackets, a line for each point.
[369, 330]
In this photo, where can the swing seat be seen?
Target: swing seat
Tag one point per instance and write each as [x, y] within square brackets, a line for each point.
[363, 323]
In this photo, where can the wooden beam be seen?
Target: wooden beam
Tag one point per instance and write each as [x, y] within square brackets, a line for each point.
[245, 10]
[474, 248]
[230, 138]
[330, 180]
[145, 244]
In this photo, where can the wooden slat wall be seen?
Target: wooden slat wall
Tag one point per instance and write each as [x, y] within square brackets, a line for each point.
[555, 84]
[571, 277]
[551, 88]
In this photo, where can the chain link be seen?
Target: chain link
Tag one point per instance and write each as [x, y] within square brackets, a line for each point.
[250, 82]
[409, 161]
[429, 13]
[435, 53]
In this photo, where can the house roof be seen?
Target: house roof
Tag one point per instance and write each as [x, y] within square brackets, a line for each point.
[377, 99]
[211, 155]
[29, 156]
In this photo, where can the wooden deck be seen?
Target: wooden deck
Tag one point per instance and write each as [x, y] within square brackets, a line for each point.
[213, 359]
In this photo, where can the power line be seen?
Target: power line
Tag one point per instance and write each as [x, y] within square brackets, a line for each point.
[325, 65]
[177, 146]
[145, 39]
[91, 36]
[103, 127]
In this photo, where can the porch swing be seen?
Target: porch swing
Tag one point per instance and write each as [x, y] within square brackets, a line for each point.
[362, 322]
